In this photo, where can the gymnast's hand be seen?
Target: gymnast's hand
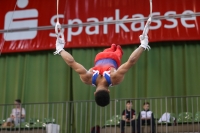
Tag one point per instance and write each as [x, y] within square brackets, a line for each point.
[60, 42]
[144, 42]
[59, 45]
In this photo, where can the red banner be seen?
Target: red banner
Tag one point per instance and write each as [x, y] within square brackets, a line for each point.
[33, 13]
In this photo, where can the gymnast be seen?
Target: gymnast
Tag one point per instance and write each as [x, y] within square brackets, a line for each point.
[106, 71]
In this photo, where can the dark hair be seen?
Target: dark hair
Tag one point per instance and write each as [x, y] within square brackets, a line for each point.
[18, 100]
[102, 98]
[129, 101]
[146, 103]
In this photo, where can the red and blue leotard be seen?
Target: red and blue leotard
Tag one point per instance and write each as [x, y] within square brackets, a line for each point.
[104, 61]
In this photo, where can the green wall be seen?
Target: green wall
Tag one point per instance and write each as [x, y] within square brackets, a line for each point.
[168, 69]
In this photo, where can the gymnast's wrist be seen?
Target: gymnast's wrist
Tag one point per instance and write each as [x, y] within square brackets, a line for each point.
[141, 46]
[61, 51]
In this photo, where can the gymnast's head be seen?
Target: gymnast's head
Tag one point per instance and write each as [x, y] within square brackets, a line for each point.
[102, 97]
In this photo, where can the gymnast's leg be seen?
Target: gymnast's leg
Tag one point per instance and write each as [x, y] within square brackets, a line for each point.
[111, 49]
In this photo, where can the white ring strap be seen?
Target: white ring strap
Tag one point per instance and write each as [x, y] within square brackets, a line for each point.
[146, 28]
[59, 31]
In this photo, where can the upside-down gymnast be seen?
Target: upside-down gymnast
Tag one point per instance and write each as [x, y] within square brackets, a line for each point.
[106, 71]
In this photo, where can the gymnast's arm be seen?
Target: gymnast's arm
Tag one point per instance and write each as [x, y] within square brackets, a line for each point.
[131, 61]
[84, 74]
[119, 74]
